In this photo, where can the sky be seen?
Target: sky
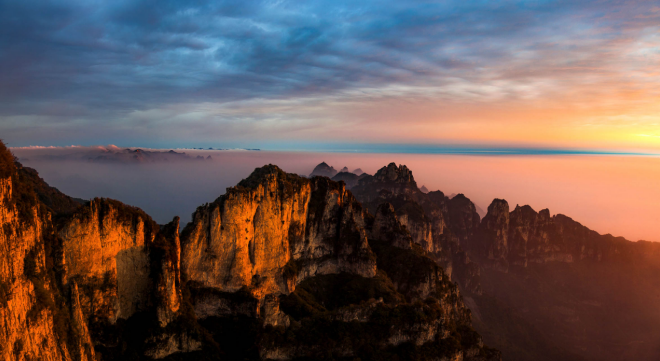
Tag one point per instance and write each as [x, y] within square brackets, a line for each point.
[295, 74]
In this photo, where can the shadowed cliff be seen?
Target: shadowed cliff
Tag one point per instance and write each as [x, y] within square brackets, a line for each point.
[540, 287]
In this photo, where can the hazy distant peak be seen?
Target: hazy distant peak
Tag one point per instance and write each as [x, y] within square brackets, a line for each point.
[350, 179]
[344, 170]
[139, 155]
[358, 171]
[424, 189]
[323, 170]
[480, 211]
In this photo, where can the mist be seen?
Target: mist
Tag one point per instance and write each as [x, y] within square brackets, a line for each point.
[607, 193]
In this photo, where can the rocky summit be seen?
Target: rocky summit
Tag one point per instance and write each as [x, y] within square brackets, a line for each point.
[323, 170]
[280, 267]
[435, 223]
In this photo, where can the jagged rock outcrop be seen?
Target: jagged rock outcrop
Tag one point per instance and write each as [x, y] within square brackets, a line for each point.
[434, 222]
[491, 243]
[463, 219]
[271, 220]
[295, 253]
[396, 185]
[524, 236]
[574, 288]
[105, 252]
[323, 170]
[34, 317]
[529, 232]
[126, 266]
[166, 273]
[76, 270]
[387, 228]
[398, 180]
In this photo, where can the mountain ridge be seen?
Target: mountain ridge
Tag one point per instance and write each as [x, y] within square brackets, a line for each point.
[245, 279]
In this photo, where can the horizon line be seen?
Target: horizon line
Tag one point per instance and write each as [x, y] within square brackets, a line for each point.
[385, 148]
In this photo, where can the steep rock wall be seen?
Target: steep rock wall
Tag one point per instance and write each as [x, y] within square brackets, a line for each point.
[105, 252]
[34, 315]
[274, 230]
[435, 223]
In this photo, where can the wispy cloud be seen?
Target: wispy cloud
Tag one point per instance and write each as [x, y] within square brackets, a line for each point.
[75, 71]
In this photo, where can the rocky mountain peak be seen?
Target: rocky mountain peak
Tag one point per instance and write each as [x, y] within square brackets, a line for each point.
[494, 229]
[463, 217]
[544, 213]
[344, 170]
[323, 170]
[461, 198]
[394, 173]
[498, 212]
[524, 214]
[424, 189]
[264, 175]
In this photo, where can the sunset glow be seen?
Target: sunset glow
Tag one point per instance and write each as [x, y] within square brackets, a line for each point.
[277, 74]
[331, 180]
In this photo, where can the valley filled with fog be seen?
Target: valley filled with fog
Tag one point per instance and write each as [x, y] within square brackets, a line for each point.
[610, 194]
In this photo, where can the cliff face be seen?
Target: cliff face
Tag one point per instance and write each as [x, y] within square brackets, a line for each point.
[271, 220]
[301, 257]
[23, 332]
[105, 252]
[396, 185]
[463, 219]
[124, 267]
[34, 315]
[435, 223]
[491, 244]
[387, 228]
[69, 273]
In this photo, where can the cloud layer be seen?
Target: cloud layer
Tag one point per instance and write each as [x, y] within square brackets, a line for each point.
[170, 73]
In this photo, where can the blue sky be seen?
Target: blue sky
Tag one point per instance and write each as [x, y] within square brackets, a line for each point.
[280, 73]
